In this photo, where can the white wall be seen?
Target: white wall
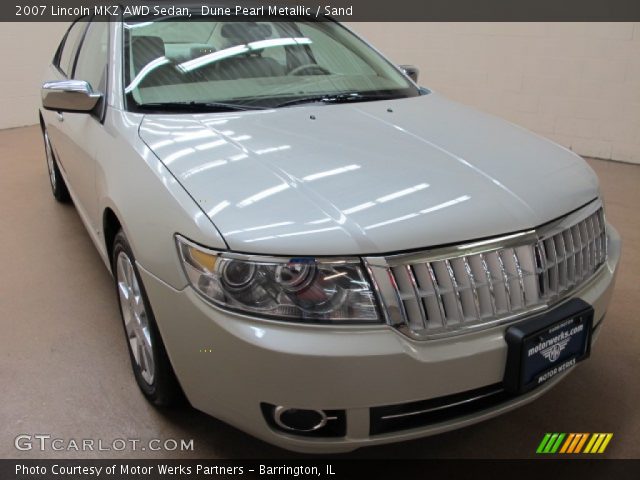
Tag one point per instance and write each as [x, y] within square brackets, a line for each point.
[577, 83]
[25, 50]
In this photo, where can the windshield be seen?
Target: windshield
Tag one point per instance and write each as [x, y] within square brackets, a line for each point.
[174, 63]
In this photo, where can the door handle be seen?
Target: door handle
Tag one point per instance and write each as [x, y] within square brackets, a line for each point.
[60, 116]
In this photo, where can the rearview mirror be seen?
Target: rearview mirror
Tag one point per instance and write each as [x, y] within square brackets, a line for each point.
[411, 72]
[69, 96]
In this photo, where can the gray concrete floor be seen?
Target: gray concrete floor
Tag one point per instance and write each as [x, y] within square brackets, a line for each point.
[64, 368]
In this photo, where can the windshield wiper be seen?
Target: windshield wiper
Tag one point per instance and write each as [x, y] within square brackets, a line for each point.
[337, 98]
[197, 106]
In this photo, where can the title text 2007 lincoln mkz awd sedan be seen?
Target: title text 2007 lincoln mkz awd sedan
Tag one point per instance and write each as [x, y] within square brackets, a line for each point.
[311, 247]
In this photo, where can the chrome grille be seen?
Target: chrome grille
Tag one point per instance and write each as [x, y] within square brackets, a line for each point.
[447, 291]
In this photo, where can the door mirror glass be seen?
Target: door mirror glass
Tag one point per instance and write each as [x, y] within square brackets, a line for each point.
[411, 71]
[69, 96]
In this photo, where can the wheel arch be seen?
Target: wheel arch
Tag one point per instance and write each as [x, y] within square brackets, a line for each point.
[111, 225]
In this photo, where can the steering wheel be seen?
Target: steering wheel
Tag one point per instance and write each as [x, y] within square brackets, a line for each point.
[312, 67]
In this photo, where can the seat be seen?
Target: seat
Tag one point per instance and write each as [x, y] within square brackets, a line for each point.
[145, 50]
[247, 65]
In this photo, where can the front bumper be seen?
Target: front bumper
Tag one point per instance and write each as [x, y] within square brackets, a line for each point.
[228, 364]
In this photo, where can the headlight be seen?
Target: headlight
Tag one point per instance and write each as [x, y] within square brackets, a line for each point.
[316, 290]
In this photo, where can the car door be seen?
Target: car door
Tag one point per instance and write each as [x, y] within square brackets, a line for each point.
[79, 133]
[62, 69]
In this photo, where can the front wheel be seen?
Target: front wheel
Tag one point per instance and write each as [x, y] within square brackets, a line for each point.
[149, 360]
[58, 187]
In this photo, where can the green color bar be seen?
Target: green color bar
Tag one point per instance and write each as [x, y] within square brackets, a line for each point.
[543, 443]
[558, 443]
[550, 443]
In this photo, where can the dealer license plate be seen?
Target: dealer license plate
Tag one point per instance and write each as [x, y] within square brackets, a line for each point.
[546, 346]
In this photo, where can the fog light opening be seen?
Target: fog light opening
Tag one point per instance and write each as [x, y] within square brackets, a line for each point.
[299, 420]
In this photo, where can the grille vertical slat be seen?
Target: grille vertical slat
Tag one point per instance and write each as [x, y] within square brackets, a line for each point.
[414, 284]
[544, 274]
[598, 234]
[441, 295]
[436, 288]
[584, 247]
[399, 300]
[527, 263]
[602, 238]
[409, 297]
[571, 259]
[520, 278]
[487, 272]
[577, 252]
[505, 279]
[446, 291]
[561, 251]
[594, 243]
[428, 295]
[591, 232]
[456, 290]
[474, 288]
[552, 264]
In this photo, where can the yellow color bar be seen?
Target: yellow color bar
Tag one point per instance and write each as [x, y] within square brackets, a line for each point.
[591, 442]
[581, 443]
[567, 442]
[596, 445]
[606, 441]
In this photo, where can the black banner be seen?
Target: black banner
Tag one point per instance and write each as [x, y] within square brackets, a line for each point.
[317, 469]
[344, 10]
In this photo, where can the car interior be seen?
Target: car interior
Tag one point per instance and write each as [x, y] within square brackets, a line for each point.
[228, 51]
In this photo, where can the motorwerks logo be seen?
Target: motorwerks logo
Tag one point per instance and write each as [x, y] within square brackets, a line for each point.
[553, 347]
[574, 443]
[553, 352]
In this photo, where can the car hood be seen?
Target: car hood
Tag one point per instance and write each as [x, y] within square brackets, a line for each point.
[370, 177]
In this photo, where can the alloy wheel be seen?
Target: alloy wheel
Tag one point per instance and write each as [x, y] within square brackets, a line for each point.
[51, 165]
[136, 320]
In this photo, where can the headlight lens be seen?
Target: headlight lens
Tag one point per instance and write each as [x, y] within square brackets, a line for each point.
[307, 289]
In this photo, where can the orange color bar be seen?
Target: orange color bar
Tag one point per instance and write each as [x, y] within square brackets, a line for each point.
[567, 442]
[581, 443]
[574, 443]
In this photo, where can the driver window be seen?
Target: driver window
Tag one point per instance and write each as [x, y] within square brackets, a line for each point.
[70, 47]
[93, 58]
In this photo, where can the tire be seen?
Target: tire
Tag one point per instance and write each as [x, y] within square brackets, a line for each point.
[58, 186]
[149, 361]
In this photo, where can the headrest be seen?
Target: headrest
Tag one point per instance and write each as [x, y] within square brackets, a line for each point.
[245, 32]
[146, 48]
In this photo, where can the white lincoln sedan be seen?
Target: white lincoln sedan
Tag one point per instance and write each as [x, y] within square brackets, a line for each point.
[309, 246]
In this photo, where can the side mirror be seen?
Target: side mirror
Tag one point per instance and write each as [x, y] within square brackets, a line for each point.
[69, 96]
[411, 72]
